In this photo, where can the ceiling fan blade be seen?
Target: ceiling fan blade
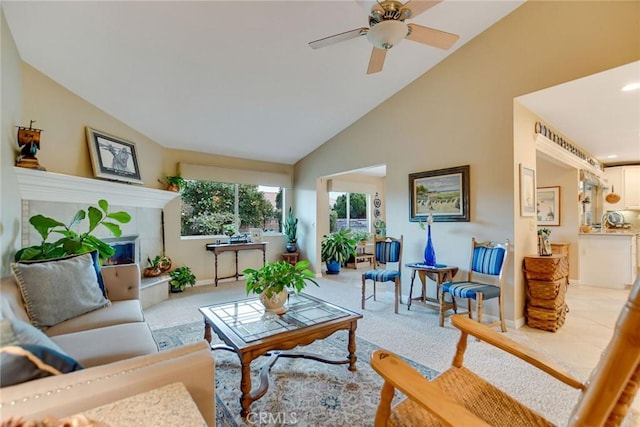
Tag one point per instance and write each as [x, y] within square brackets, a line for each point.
[316, 44]
[376, 61]
[419, 6]
[431, 36]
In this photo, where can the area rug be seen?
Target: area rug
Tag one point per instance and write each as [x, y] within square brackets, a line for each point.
[301, 392]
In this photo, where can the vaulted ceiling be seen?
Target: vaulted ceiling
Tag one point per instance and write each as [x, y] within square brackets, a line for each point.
[238, 78]
[235, 78]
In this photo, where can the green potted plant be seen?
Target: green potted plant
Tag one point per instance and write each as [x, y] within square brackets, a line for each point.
[71, 242]
[229, 229]
[174, 182]
[273, 279]
[291, 230]
[544, 245]
[158, 265]
[180, 278]
[336, 248]
[361, 236]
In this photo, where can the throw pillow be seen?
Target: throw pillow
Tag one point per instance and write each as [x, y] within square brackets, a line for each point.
[60, 289]
[16, 332]
[28, 362]
[95, 256]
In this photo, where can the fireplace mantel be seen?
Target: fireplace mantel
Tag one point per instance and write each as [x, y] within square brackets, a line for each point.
[54, 187]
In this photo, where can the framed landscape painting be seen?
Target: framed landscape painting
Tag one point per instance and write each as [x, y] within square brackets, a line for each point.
[113, 158]
[548, 205]
[443, 193]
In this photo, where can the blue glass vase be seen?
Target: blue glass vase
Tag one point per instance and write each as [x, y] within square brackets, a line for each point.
[429, 252]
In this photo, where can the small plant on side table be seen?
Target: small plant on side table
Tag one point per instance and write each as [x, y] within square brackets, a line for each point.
[180, 278]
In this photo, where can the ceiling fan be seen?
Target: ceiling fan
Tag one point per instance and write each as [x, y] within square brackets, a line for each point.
[387, 28]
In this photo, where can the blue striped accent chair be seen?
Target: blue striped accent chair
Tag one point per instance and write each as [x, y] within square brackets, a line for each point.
[488, 259]
[388, 249]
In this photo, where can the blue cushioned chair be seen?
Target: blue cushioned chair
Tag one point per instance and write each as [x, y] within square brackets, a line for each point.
[388, 249]
[488, 259]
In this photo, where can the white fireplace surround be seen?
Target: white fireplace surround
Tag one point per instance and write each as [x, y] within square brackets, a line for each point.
[54, 187]
[51, 191]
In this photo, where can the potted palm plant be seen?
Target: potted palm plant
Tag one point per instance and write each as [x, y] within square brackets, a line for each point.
[291, 230]
[273, 280]
[336, 248]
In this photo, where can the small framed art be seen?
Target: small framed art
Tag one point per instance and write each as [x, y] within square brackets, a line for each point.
[548, 205]
[527, 191]
[113, 158]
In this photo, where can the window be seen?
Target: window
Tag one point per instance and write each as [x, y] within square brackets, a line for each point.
[349, 210]
[212, 208]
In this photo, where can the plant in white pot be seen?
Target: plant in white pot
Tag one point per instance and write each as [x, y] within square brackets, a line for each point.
[273, 280]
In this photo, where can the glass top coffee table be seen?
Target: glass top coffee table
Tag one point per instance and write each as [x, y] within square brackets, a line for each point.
[250, 332]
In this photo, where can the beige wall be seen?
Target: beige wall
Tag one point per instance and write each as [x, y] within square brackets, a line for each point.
[11, 117]
[550, 174]
[64, 116]
[462, 112]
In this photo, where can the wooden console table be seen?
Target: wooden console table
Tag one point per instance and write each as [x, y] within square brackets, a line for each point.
[235, 247]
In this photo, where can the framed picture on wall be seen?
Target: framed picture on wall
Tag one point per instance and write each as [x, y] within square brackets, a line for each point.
[113, 158]
[548, 205]
[443, 193]
[527, 191]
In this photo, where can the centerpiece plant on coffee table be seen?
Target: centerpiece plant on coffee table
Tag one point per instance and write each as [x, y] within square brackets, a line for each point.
[273, 280]
[72, 242]
[180, 278]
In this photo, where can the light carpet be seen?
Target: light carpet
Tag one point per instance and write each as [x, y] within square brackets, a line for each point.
[414, 335]
[301, 392]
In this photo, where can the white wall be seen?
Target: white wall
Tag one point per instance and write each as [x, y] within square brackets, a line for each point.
[10, 227]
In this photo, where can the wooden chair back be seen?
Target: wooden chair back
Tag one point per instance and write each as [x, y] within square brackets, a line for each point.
[614, 382]
[604, 401]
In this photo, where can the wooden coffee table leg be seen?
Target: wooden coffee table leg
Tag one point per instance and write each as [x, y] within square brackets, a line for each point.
[352, 347]
[245, 388]
[207, 332]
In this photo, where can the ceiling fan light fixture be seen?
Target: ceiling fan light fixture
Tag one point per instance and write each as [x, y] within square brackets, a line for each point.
[387, 34]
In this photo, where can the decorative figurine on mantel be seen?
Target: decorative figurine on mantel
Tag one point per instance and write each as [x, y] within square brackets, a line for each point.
[29, 143]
